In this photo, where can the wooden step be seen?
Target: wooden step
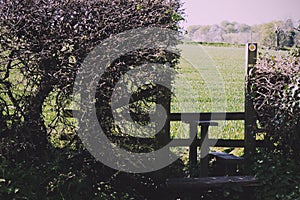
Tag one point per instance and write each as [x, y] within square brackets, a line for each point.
[210, 182]
[223, 157]
[226, 164]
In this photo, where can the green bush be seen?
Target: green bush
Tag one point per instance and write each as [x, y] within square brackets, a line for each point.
[279, 175]
[43, 44]
[275, 87]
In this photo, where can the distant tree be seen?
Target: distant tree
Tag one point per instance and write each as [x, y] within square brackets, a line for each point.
[192, 29]
[298, 28]
[271, 34]
[289, 33]
[204, 29]
[290, 38]
[224, 24]
[243, 28]
[288, 24]
[216, 33]
[297, 36]
[202, 33]
[230, 29]
[266, 34]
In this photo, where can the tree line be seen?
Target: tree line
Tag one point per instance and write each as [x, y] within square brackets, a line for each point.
[275, 34]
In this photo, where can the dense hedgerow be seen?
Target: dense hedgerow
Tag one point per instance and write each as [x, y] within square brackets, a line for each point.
[43, 43]
[275, 84]
[275, 88]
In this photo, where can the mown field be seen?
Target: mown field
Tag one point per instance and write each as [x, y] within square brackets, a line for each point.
[210, 79]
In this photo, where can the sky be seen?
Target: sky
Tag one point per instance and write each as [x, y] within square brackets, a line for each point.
[208, 12]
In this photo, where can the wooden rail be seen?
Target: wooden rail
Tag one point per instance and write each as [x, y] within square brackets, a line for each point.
[193, 120]
[208, 116]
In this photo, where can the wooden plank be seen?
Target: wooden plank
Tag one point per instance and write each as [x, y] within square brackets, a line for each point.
[216, 143]
[210, 182]
[207, 123]
[225, 156]
[208, 116]
[228, 143]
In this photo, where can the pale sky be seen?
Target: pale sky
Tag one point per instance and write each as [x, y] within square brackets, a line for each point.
[207, 12]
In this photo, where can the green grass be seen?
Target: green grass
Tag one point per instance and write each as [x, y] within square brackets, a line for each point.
[217, 44]
[203, 67]
[210, 79]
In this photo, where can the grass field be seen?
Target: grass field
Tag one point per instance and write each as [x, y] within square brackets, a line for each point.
[210, 79]
[202, 66]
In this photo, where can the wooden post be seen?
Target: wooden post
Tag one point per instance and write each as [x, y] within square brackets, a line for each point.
[250, 114]
[163, 137]
[193, 148]
[204, 161]
[277, 35]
